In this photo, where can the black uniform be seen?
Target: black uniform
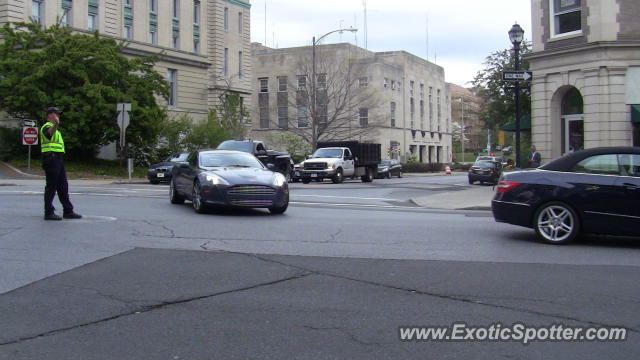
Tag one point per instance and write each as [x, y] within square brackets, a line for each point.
[53, 165]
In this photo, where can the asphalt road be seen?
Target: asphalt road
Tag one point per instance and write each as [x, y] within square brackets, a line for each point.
[334, 277]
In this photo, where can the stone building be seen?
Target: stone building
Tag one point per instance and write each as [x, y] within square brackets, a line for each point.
[465, 108]
[586, 74]
[396, 99]
[203, 46]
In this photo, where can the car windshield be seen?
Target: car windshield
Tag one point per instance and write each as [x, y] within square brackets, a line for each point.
[178, 158]
[213, 159]
[385, 163]
[244, 146]
[328, 153]
[485, 164]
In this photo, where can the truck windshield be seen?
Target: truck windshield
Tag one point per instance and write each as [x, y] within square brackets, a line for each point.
[245, 146]
[328, 153]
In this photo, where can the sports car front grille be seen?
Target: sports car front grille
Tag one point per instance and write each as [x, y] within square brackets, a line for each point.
[251, 203]
[315, 166]
[251, 190]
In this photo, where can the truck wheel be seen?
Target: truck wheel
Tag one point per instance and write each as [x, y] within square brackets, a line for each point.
[337, 179]
[306, 180]
[368, 177]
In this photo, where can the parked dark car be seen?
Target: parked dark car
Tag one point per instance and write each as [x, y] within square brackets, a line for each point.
[592, 191]
[485, 171]
[389, 168]
[228, 178]
[161, 172]
[296, 175]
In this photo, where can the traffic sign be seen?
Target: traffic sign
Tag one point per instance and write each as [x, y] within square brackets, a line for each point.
[123, 120]
[28, 123]
[517, 75]
[29, 135]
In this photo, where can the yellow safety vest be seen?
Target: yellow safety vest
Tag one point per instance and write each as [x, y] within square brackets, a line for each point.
[55, 144]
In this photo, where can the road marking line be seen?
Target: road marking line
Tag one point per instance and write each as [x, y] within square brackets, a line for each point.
[344, 197]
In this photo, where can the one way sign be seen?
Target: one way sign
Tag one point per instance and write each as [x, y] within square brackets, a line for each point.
[517, 75]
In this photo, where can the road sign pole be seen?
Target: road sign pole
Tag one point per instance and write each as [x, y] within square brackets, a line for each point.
[517, 99]
[29, 159]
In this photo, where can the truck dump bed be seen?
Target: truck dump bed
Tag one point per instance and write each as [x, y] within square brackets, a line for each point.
[368, 154]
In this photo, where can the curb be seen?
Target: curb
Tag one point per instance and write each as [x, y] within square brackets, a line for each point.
[20, 172]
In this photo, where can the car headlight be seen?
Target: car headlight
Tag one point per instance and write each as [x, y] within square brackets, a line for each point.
[331, 166]
[279, 180]
[384, 168]
[216, 180]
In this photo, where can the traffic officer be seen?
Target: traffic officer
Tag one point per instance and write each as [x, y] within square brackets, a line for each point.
[52, 148]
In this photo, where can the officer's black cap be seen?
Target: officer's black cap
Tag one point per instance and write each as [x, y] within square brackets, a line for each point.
[53, 109]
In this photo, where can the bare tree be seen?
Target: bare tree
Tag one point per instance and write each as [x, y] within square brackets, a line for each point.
[231, 111]
[342, 105]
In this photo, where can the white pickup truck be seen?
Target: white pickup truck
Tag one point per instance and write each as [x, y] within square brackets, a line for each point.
[338, 160]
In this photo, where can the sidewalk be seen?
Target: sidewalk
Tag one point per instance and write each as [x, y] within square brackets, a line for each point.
[10, 176]
[476, 197]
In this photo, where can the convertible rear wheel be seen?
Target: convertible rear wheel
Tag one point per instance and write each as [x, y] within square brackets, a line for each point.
[556, 223]
[174, 197]
[196, 198]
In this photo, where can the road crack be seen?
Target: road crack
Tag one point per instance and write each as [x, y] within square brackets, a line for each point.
[158, 306]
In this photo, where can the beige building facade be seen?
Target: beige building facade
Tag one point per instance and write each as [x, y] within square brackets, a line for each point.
[203, 46]
[397, 99]
[586, 74]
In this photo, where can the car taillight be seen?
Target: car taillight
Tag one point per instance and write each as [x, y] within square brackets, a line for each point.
[506, 186]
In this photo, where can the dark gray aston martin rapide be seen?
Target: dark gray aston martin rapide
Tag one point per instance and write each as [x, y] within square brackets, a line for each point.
[228, 178]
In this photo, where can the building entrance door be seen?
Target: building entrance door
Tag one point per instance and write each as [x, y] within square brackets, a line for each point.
[573, 139]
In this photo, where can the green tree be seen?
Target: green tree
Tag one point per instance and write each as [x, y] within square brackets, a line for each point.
[85, 76]
[499, 108]
[232, 115]
[208, 134]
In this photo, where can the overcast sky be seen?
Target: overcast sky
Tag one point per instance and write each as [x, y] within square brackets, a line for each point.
[461, 33]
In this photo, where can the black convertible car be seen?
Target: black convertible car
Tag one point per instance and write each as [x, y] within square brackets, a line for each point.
[592, 191]
[228, 178]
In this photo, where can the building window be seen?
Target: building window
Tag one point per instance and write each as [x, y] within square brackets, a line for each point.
[439, 111]
[411, 86]
[385, 84]
[430, 108]
[153, 21]
[226, 19]
[322, 81]
[283, 117]
[264, 85]
[422, 91]
[393, 114]
[303, 116]
[176, 9]
[240, 22]
[282, 83]
[92, 19]
[421, 114]
[263, 105]
[176, 40]
[154, 37]
[67, 14]
[196, 12]
[240, 59]
[412, 112]
[393, 84]
[302, 82]
[364, 81]
[128, 19]
[173, 86]
[225, 65]
[364, 117]
[153, 6]
[567, 17]
[37, 10]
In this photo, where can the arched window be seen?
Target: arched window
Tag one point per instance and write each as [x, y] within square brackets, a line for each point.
[572, 102]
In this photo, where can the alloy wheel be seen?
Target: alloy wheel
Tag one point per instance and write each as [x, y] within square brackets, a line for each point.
[556, 224]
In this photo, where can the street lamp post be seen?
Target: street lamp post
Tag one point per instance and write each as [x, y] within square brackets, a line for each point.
[314, 128]
[516, 35]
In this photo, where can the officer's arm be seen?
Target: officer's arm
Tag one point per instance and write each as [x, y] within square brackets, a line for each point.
[52, 130]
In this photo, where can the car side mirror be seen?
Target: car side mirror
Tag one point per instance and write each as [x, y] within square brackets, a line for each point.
[184, 165]
[348, 158]
[261, 152]
[307, 157]
[271, 167]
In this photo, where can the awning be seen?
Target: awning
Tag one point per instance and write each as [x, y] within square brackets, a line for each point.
[635, 114]
[525, 124]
